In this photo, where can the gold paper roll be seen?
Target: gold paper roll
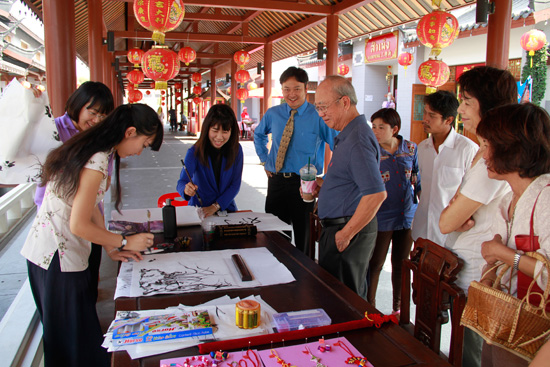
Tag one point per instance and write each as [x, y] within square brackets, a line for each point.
[247, 314]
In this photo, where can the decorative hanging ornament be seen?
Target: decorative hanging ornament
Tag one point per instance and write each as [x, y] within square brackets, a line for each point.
[433, 73]
[161, 65]
[134, 56]
[148, 92]
[162, 92]
[135, 77]
[405, 59]
[178, 85]
[242, 94]
[134, 96]
[197, 89]
[242, 76]
[343, 69]
[196, 77]
[437, 30]
[159, 16]
[532, 41]
[252, 86]
[197, 100]
[241, 58]
[187, 55]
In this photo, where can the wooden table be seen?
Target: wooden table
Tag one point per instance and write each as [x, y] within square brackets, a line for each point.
[315, 288]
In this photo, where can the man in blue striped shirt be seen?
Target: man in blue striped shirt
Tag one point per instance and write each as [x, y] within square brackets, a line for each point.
[307, 143]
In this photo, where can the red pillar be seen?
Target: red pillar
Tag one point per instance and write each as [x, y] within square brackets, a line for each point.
[213, 86]
[59, 33]
[234, 87]
[498, 34]
[268, 56]
[191, 128]
[332, 45]
[95, 40]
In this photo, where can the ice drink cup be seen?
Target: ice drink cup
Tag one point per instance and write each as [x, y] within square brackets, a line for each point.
[308, 173]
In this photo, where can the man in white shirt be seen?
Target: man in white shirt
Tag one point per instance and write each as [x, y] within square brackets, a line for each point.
[443, 158]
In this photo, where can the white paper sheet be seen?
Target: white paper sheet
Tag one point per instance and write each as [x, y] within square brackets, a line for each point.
[185, 215]
[222, 313]
[184, 272]
[263, 221]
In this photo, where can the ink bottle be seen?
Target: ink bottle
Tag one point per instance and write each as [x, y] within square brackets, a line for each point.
[169, 220]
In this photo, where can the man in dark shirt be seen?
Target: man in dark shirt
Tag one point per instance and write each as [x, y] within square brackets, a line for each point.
[352, 190]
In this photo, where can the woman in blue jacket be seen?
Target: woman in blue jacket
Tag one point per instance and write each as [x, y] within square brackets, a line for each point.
[215, 163]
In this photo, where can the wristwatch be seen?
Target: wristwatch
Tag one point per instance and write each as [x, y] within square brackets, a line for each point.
[517, 256]
[123, 243]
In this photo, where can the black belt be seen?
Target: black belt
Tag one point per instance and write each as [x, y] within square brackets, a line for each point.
[285, 174]
[334, 221]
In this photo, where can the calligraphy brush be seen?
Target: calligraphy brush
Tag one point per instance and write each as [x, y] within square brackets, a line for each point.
[148, 220]
[190, 180]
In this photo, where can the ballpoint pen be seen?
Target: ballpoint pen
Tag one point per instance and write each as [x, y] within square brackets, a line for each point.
[190, 180]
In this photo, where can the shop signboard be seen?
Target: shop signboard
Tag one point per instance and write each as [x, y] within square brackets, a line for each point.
[382, 48]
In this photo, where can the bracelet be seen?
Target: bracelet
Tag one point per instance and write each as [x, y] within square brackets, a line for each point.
[517, 256]
[217, 206]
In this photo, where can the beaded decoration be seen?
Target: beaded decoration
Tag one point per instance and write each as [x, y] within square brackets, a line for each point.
[203, 361]
[323, 347]
[360, 361]
[279, 360]
[217, 358]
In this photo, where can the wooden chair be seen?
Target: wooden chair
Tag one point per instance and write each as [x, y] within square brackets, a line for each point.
[314, 233]
[434, 271]
[177, 200]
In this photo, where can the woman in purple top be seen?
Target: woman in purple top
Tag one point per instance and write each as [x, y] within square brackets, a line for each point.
[87, 106]
[399, 169]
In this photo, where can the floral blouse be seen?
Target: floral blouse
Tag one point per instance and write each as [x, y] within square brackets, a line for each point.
[51, 231]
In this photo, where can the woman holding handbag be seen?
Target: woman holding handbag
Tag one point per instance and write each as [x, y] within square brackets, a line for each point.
[518, 151]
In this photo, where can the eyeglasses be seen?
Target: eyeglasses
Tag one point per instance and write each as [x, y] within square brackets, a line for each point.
[95, 114]
[323, 109]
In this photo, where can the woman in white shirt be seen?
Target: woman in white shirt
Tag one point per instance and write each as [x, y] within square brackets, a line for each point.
[517, 140]
[58, 245]
[467, 219]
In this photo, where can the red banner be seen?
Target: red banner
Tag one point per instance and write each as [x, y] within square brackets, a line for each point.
[463, 68]
[381, 48]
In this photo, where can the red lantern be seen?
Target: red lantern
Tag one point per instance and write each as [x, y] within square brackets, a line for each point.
[135, 77]
[197, 89]
[343, 69]
[178, 102]
[405, 59]
[242, 94]
[241, 58]
[162, 103]
[242, 76]
[148, 92]
[197, 100]
[433, 73]
[162, 98]
[161, 65]
[134, 96]
[178, 85]
[162, 92]
[196, 77]
[252, 86]
[437, 30]
[533, 41]
[187, 55]
[134, 56]
[159, 16]
[177, 94]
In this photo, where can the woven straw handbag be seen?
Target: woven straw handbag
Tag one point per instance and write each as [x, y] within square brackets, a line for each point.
[504, 320]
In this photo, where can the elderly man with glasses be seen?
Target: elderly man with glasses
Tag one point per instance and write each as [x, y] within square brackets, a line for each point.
[352, 190]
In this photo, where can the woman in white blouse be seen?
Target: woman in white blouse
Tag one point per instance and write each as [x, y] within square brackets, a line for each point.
[517, 138]
[58, 245]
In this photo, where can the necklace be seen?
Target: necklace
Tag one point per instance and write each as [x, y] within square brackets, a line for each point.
[360, 361]
[247, 356]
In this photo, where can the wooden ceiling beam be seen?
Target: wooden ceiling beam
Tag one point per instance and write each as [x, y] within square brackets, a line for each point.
[266, 5]
[348, 5]
[297, 28]
[193, 37]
